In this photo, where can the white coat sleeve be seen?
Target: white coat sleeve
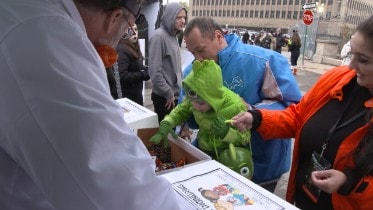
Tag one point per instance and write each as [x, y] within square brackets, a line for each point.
[66, 131]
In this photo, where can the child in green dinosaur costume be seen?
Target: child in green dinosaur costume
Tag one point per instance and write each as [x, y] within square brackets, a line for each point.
[211, 103]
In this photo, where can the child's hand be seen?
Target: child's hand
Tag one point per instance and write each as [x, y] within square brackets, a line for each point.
[164, 129]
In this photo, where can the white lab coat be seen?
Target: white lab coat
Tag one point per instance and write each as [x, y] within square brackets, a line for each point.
[63, 141]
[346, 54]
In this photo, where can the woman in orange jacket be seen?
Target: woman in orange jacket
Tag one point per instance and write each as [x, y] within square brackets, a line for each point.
[332, 164]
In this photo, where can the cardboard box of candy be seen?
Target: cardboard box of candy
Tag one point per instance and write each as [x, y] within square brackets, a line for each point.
[179, 154]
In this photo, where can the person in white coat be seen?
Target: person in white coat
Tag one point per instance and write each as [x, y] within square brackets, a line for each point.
[346, 54]
[64, 144]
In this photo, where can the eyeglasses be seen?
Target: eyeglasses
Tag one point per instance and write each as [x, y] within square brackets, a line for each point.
[130, 31]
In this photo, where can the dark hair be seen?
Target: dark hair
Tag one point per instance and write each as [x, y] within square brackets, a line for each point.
[366, 29]
[133, 48]
[206, 25]
[296, 39]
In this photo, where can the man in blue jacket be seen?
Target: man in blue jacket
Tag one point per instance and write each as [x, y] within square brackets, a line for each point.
[260, 76]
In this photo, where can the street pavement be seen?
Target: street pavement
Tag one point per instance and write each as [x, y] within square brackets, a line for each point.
[308, 73]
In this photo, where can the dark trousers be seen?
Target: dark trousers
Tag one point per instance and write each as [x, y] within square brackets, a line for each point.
[159, 103]
[294, 59]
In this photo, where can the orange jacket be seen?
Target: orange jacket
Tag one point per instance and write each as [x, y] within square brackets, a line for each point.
[288, 123]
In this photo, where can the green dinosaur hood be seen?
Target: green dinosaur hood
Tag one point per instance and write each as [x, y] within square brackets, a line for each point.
[207, 82]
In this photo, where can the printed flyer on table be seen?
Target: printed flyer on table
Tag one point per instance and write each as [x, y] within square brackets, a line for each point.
[212, 186]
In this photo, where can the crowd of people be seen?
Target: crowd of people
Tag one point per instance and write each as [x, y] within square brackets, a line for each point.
[65, 145]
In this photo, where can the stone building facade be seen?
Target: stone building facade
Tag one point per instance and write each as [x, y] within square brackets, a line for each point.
[331, 15]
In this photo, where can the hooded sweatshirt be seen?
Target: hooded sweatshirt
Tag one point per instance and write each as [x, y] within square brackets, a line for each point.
[206, 81]
[164, 55]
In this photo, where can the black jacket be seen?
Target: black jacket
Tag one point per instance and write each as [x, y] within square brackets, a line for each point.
[132, 74]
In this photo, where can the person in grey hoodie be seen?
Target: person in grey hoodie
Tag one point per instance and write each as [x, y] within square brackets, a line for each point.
[165, 59]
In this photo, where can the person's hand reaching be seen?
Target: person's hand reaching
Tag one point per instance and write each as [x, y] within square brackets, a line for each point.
[164, 129]
[243, 121]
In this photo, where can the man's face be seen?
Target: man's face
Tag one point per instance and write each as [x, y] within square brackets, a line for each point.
[180, 21]
[124, 24]
[203, 47]
[120, 25]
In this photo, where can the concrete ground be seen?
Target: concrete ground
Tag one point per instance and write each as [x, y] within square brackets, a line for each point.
[308, 73]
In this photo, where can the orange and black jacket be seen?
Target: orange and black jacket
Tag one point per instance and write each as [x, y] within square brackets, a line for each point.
[289, 123]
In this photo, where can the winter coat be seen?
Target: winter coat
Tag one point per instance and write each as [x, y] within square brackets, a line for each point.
[164, 55]
[294, 48]
[208, 84]
[262, 78]
[290, 123]
[132, 74]
[346, 54]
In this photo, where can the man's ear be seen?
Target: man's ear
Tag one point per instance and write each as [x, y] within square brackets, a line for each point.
[113, 19]
[219, 36]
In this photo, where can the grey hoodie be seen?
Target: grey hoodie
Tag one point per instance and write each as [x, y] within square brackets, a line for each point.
[164, 55]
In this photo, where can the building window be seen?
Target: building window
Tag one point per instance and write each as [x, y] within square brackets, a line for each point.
[277, 14]
[272, 14]
[256, 14]
[261, 14]
[285, 2]
[251, 13]
[278, 2]
[295, 15]
[268, 2]
[290, 2]
[296, 2]
[283, 14]
[267, 14]
[289, 15]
